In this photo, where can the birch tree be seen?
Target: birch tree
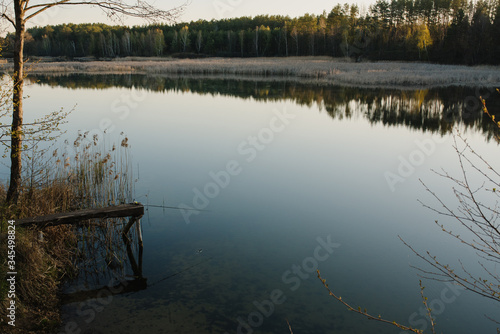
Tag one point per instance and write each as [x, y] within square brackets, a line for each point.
[184, 36]
[199, 41]
[18, 13]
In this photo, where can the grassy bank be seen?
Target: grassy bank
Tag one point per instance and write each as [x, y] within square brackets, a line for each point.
[314, 69]
[41, 266]
[86, 175]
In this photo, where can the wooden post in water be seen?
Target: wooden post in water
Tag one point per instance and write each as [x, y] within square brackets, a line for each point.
[139, 231]
[137, 221]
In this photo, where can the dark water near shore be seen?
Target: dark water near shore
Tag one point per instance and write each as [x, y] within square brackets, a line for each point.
[277, 180]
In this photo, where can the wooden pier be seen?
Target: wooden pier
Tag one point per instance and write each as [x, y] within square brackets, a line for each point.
[135, 210]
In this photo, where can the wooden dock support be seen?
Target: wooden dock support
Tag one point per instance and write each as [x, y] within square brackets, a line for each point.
[137, 222]
[133, 210]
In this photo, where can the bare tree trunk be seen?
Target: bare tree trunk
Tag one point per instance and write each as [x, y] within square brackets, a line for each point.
[286, 41]
[17, 113]
[257, 40]
[199, 41]
[242, 41]
[311, 41]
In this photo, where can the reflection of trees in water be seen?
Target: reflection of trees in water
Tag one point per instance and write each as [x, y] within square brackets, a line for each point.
[435, 110]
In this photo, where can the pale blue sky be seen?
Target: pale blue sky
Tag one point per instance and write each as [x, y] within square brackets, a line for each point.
[198, 9]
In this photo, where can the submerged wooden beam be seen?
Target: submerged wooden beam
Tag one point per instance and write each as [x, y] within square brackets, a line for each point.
[124, 210]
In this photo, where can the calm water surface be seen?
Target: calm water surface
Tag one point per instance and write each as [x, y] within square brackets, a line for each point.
[291, 178]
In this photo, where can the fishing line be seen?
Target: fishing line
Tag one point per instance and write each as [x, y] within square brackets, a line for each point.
[173, 207]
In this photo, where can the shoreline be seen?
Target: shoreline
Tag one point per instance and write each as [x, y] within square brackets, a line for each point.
[321, 70]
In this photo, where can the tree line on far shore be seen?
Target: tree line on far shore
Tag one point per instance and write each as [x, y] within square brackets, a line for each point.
[444, 31]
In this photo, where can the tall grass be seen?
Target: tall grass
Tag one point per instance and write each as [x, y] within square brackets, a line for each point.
[102, 176]
[96, 176]
[324, 69]
[83, 174]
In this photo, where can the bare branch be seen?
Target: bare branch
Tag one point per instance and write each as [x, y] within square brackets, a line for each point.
[5, 15]
[427, 308]
[289, 326]
[8, 18]
[447, 274]
[364, 312]
[140, 9]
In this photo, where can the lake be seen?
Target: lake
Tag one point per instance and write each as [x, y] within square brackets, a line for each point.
[275, 180]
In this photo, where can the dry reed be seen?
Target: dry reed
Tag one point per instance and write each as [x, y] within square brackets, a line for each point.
[86, 175]
[321, 69]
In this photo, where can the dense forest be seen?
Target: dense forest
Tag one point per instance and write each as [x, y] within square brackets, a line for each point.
[445, 31]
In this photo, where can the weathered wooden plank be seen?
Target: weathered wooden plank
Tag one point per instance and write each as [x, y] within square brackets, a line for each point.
[124, 210]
